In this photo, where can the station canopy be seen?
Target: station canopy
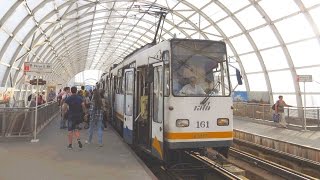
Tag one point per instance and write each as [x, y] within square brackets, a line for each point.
[269, 41]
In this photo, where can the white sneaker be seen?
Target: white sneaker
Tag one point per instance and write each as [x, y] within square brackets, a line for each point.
[87, 142]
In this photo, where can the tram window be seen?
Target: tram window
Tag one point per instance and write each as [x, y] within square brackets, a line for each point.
[157, 95]
[108, 84]
[119, 86]
[129, 83]
[165, 58]
[160, 80]
[116, 79]
[166, 81]
[122, 85]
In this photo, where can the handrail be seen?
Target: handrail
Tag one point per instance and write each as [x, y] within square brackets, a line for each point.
[262, 104]
[19, 121]
[293, 115]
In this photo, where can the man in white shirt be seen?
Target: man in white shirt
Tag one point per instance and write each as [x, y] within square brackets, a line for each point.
[192, 88]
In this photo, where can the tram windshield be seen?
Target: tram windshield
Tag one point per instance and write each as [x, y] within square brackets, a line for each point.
[199, 68]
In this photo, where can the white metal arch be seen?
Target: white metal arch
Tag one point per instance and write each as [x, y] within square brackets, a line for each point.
[68, 42]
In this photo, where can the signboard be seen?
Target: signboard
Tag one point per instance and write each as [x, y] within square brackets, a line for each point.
[37, 68]
[304, 78]
[40, 82]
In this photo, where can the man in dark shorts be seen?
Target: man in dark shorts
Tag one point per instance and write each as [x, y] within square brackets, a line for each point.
[75, 104]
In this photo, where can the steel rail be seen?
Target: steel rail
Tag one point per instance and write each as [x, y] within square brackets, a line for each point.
[270, 166]
[280, 154]
[213, 165]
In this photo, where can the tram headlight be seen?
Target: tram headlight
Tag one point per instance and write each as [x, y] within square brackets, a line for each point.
[223, 122]
[182, 122]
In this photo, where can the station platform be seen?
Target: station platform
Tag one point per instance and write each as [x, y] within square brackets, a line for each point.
[297, 142]
[49, 159]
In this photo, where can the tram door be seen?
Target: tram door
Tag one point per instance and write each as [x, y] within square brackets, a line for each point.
[128, 106]
[157, 111]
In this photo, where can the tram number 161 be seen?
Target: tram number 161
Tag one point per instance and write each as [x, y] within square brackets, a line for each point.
[202, 124]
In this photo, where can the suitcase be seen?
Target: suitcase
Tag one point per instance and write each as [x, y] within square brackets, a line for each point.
[276, 118]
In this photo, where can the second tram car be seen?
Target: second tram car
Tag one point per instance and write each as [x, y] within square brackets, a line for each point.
[172, 96]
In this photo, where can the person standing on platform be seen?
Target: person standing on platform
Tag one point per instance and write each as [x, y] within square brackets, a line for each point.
[51, 95]
[44, 97]
[64, 114]
[90, 94]
[40, 99]
[96, 117]
[83, 91]
[104, 108]
[59, 97]
[74, 103]
[87, 102]
[279, 109]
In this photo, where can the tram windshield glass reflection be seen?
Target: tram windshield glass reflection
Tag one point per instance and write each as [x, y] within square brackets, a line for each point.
[199, 68]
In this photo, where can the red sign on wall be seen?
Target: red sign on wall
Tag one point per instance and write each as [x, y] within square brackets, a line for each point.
[26, 67]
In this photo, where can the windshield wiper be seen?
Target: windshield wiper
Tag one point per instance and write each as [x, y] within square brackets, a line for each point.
[211, 93]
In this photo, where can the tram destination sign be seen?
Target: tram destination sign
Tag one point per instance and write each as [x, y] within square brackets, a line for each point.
[304, 78]
[37, 68]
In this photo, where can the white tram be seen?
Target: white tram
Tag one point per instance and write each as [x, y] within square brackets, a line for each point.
[172, 96]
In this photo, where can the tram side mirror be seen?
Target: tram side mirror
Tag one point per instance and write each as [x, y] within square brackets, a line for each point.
[239, 77]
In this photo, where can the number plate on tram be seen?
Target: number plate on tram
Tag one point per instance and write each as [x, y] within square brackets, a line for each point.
[202, 124]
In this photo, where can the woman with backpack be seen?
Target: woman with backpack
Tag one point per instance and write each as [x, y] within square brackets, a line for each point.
[279, 111]
[96, 117]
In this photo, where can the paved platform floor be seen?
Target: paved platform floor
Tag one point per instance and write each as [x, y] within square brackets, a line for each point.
[49, 159]
[304, 138]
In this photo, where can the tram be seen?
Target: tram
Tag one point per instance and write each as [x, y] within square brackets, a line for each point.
[172, 96]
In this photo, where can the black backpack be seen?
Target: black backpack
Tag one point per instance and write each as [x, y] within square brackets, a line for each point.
[274, 106]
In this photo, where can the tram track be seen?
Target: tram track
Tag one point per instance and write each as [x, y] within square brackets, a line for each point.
[192, 167]
[272, 167]
[216, 166]
[197, 166]
[283, 159]
[211, 166]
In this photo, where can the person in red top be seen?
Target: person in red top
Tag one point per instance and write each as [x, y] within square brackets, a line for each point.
[40, 100]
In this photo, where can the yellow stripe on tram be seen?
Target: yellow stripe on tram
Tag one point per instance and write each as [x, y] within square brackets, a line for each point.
[199, 135]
